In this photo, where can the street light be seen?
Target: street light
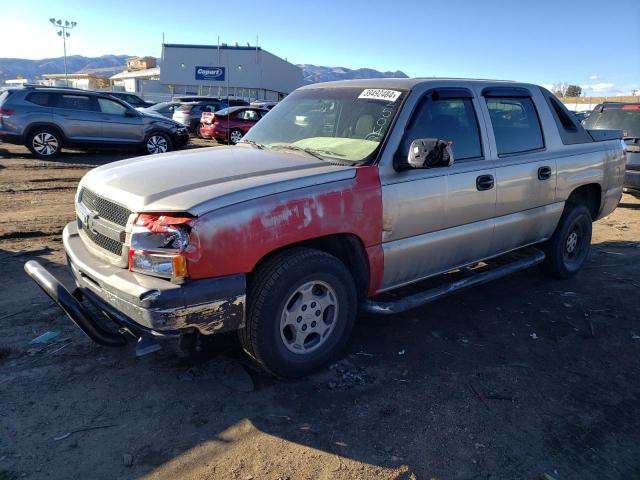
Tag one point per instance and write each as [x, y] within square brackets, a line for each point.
[62, 32]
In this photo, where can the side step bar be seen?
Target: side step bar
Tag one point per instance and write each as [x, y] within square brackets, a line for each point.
[417, 299]
[72, 307]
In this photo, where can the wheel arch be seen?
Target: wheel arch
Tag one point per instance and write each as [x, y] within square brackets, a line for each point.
[32, 127]
[589, 195]
[346, 247]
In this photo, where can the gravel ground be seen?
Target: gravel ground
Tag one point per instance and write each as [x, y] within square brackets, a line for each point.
[518, 379]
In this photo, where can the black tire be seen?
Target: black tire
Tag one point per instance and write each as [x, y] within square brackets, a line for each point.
[566, 253]
[45, 143]
[157, 142]
[232, 134]
[270, 298]
[198, 130]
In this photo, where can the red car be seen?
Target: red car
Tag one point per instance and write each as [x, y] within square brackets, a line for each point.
[229, 124]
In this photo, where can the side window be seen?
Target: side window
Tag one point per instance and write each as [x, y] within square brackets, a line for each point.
[448, 119]
[251, 115]
[74, 102]
[516, 126]
[111, 107]
[40, 98]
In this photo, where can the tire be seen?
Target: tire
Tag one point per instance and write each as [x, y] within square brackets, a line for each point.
[301, 308]
[157, 142]
[235, 136]
[568, 248]
[45, 143]
[198, 131]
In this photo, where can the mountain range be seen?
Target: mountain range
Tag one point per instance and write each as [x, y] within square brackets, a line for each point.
[108, 65]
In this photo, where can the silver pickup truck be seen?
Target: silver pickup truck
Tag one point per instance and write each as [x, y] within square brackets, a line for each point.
[344, 192]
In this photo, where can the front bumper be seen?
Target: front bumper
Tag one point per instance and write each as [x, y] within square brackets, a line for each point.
[153, 305]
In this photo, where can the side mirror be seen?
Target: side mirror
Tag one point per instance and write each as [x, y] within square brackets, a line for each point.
[429, 153]
[131, 113]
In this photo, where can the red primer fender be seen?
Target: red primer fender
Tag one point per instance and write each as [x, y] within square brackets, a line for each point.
[233, 239]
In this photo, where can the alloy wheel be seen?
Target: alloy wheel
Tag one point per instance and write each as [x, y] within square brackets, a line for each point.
[45, 143]
[235, 136]
[157, 144]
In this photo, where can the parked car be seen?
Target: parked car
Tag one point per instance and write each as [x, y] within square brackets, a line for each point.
[234, 102]
[581, 116]
[345, 191]
[625, 117]
[164, 109]
[263, 104]
[131, 98]
[229, 124]
[47, 119]
[189, 113]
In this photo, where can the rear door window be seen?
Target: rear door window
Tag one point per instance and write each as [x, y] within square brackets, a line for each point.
[516, 125]
[40, 98]
[448, 119]
[74, 102]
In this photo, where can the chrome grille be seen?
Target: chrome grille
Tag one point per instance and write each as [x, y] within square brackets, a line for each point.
[101, 241]
[104, 208]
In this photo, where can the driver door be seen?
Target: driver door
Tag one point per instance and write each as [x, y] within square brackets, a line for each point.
[437, 219]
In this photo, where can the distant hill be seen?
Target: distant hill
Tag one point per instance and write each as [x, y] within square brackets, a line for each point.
[315, 74]
[108, 65]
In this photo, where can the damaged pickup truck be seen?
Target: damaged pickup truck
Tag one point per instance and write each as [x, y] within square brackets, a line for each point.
[343, 192]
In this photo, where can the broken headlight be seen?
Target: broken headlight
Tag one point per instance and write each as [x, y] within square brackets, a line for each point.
[158, 243]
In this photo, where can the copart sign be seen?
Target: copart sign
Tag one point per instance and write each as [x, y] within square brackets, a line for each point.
[215, 74]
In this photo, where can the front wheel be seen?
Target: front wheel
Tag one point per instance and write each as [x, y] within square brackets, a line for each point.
[158, 143]
[300, 311]
[568, 248]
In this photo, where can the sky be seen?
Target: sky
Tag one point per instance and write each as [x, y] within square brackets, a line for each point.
[591, 43]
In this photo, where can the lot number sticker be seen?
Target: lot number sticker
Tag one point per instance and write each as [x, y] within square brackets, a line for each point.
[380, 94]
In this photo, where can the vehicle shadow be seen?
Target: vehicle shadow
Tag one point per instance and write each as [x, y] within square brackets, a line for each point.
[520, 375]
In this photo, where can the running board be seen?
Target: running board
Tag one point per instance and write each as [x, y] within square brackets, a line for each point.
[417, 299]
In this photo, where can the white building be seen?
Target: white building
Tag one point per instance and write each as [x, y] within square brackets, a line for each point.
[243, 72]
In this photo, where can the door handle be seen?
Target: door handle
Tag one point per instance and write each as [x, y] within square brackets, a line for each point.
[544, 173]
[485, 182]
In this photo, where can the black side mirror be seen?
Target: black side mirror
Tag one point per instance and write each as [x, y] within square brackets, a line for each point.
[131, 113]
[429, 153]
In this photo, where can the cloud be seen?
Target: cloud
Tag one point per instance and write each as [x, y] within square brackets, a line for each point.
[598, 87]
[595, 77]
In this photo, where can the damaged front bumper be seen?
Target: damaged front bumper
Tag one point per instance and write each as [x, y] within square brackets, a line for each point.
[146, 305]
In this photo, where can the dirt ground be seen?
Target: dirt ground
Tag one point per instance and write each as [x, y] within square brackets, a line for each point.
[524, 378]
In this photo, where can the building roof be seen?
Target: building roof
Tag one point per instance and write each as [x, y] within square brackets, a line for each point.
[146, 73]
[213, 47]
[71, 75]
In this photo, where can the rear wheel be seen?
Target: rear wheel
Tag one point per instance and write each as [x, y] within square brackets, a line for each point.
[568, 248]
[300, 312]
[198, 130]
[158, 143]
[44, 143]
[235, 136]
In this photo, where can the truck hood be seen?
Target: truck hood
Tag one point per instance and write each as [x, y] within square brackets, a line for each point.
[200, 180]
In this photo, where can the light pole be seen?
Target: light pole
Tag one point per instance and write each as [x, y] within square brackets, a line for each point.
[62, 32]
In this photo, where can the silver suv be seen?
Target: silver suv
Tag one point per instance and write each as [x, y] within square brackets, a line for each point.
[46, 119]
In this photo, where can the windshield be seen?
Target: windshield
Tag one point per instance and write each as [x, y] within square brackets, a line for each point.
[626, 118]
[345, 124]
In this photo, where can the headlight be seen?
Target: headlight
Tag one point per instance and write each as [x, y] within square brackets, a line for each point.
[158, 243]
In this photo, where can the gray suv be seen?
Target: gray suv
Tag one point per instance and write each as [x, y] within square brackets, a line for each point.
[46, 119]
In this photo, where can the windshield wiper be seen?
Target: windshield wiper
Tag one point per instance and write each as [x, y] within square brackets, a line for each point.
[300, 149]
[252, 143]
